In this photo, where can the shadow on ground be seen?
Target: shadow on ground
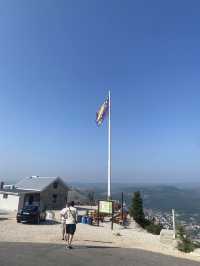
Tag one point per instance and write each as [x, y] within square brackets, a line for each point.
[23, 254]
[96, 241]
[3, 218]
[42, 223]
[49, 222]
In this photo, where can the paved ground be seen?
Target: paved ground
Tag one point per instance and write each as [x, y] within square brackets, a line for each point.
[23, 254]
[132, 238]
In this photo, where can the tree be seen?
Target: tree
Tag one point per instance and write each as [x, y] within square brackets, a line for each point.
[91, 197]
[136, 210]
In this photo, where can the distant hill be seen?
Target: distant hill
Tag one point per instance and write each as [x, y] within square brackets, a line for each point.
[157, 197]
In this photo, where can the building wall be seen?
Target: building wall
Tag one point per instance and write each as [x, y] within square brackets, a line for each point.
[21, 201]
[54, 198]
[10, 203]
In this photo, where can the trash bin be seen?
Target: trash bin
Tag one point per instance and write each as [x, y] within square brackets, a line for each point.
[84, 220]
[89, 220]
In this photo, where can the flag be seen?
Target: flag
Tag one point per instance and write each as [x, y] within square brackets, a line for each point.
[101, 114]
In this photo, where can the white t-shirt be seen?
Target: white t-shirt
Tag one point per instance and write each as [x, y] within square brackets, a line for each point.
[63, 219]
[70, 214]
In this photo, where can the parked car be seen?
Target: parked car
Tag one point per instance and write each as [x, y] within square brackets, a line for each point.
[31, 214]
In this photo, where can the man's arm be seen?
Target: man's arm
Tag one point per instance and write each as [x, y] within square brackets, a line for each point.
[62, 213]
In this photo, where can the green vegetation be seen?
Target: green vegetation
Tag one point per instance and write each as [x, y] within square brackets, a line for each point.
[91, 197]
[154, 228]
[136, 211]
[185, 244]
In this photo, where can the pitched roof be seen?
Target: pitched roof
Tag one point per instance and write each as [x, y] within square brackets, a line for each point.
[36, 183]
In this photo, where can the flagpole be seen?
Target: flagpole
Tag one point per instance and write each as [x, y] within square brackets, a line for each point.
[109, 146]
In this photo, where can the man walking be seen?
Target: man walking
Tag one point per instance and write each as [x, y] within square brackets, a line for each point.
[70, 214]
[63, 223]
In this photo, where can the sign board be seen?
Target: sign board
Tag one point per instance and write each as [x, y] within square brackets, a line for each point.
[105, 207]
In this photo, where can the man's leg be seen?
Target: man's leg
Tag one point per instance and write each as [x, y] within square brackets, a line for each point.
[70, 239]
[66, 235]
[63, 231]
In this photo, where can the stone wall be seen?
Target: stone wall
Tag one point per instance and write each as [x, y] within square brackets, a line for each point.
[167, 237]
[54, 197]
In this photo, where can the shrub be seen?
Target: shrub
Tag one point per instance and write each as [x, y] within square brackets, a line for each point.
[184, 244]
[153, 228]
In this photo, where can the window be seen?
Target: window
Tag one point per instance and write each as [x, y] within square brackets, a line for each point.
[5, 196]
[54, 198]
[55, 184]
[30, 200]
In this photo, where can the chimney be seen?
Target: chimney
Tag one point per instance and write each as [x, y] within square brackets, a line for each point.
[1, 184]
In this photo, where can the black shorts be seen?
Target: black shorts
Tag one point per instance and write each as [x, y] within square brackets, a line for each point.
[70, 229]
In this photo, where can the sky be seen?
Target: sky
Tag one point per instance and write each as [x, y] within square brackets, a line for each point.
[58, 59]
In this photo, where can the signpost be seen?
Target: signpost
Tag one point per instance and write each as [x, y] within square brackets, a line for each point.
[107, 208]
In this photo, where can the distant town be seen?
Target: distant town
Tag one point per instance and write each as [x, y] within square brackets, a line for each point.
[191, 224]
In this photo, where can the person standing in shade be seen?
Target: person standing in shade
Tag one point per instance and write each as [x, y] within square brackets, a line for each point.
[63, 223]
[70, 214]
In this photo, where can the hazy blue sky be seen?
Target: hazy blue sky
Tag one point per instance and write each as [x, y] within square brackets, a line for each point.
[57, 60]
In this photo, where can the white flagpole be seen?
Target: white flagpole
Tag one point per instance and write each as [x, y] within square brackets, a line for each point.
[174, 224]
[109, 147]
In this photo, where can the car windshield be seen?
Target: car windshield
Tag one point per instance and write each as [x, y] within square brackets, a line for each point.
[31, 208]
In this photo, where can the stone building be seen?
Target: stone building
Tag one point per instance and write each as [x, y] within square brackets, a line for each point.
[47, 192]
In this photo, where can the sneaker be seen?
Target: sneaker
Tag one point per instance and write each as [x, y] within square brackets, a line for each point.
[70, 247]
